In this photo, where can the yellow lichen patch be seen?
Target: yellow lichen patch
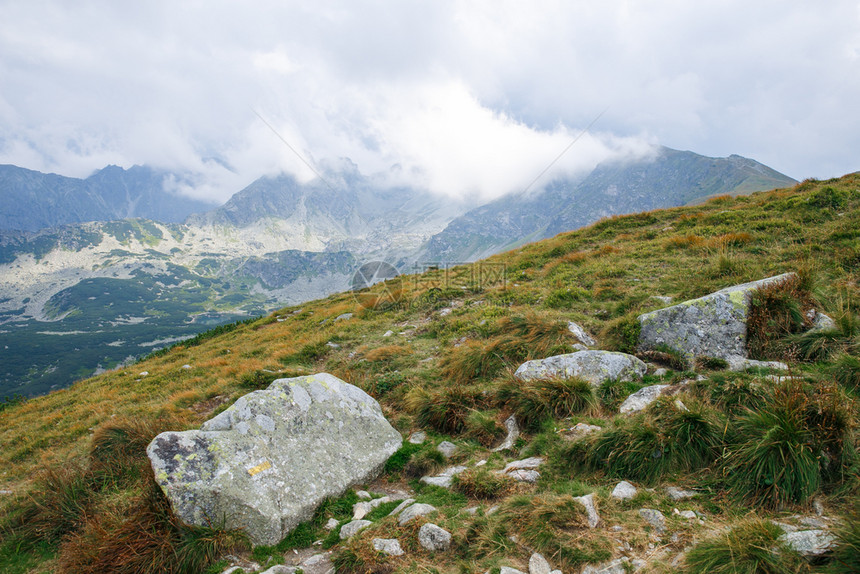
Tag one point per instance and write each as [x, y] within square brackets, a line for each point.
[255, 470]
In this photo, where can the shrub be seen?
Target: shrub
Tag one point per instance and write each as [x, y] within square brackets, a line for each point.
[483, 484]
[424, 462]
[775, 456]
[749, 548]
[711, 363]
[523, 338]
[666, 355]
[777, 311]
[145, 538]
[846, 371]
[622, 334]
[258, 379]
[534, 401]
[445, 409]
[483, 427]
[846, 555]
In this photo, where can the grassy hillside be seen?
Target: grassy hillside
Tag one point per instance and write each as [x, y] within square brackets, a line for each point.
[445, 368]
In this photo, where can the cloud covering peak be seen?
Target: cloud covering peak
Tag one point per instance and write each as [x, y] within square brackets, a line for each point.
[464, 98]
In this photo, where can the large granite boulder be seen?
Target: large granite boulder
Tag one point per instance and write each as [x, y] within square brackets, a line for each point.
[593, 366]
[711, 326]
[269, 460]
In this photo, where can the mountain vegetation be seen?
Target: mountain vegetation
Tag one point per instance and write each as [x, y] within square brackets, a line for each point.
[105, 292]
[438, 349]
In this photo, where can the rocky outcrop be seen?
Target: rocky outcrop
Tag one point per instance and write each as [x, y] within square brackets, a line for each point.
[711, 326]
[593, 366]
[269, 460]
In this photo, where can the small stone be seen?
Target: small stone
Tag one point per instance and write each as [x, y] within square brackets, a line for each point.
[742, 364]
[818, 506]
[388, 333]
[538, 564]
[360, 510]
[509, 570]
[613, 567]
[417, 437]
[587, 502]
[363, 494]
[350, 529]
[143, 373]
[481, 462]
[655, 518]
[434, 538]
[688, 514]
[281, 569]
[513, 434]
[414, 512]
[344, 317]
[681, 406]
[676, 493]
[318, 564]
[809, 542]
[580, 430]
[523, 475]
[388, 546]
[640, 400]
[399, 508]
[447, 448]
[331, 524]
[662, 371]
[662, 298]
[445, 478]
[580, 334]
[186, 367]
[623, 491]
[526, 463]
[821, 322]
[445, 312]
[332, 345]
[812, 522]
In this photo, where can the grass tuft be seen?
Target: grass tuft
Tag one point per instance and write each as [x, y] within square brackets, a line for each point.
[749, 548]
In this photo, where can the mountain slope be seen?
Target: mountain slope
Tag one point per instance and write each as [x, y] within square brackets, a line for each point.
[31, 200]
[670, 179]
[434, 350]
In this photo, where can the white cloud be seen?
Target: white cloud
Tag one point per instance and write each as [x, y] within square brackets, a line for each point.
[464, 97]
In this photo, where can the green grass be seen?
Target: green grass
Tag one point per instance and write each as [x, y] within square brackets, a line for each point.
[749, 548]
[744, 441]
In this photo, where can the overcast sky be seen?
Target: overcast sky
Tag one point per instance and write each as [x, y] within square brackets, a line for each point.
[460, 97]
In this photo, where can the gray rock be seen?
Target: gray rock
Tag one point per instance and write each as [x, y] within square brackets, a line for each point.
[434, 538]
[350, 529]
[815, 523]
[360, 510]
[363, 494]
[655, 518]
[820, 322]
[526, 463]
[513, 434]
[538, 564]
[640, 400]
[445, 478]
[587, 502]
[388, 546]
[399, 508]
[388, 333]
[281, 569]
[344, 317]
[742, 364]
[414, 511]
[417, 437]
[712, 326]
[593, 366]
[580, 430]
[580, 334]
[676, 493]
[524, 475]
[661, 371]
[509, 570]
[614, 567]
[448, 449]
[318, 564]
[662, 298]
[623, 491]
[270, 459]
[688, 514]
[331, 524]
[809, 542]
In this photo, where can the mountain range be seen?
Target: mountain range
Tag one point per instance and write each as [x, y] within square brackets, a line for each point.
[77, 296]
